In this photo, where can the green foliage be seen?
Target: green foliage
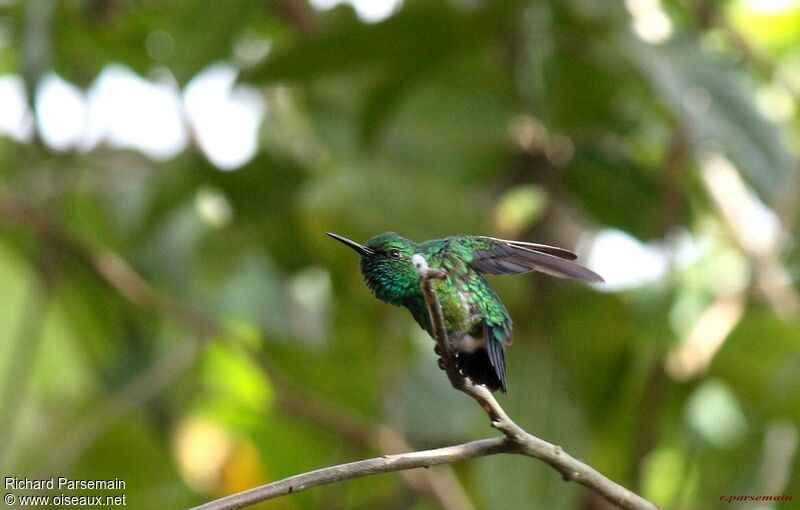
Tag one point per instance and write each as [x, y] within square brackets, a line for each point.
[542, 120]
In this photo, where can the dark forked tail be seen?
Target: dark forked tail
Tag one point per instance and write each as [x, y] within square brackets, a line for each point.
[483, 367]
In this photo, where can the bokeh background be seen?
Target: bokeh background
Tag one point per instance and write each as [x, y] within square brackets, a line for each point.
[173, 314]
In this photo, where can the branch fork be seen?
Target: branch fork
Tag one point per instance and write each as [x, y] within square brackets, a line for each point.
[514, 440]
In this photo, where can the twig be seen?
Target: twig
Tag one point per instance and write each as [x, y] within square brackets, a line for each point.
[340, 472]
[516, 440]
[569, 467]
[443, 348]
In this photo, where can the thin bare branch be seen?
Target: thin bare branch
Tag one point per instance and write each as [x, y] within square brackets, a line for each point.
[338, 473]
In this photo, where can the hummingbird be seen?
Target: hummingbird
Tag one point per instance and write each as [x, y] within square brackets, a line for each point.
[477, 323]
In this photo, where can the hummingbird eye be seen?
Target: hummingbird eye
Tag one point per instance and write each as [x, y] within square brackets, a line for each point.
[394, 254]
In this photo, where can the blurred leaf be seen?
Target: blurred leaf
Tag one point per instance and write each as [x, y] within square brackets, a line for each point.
[18, 281]
[456, 124]
[132, 451]
[236, 386]
[663, 475]
[630, 200]
[715, 414]
[519, 208]
[390, 53]
[584, 96]
[717, 100]
[768, 348]
[87, 35]
[772, 27]
[65, 374]
[252, 292]
[392, 45]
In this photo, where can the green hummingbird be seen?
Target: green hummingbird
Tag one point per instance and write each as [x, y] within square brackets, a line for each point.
[477, 323]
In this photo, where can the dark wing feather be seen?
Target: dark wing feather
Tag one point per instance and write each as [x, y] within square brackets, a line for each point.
[541, 248]
[498, 256]
[497, 355]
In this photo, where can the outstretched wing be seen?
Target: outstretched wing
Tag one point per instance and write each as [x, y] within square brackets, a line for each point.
[499, 256]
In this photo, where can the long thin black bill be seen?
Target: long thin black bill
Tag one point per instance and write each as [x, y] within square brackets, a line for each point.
[360, 248]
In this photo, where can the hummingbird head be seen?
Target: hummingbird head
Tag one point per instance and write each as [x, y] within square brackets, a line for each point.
[386, 265]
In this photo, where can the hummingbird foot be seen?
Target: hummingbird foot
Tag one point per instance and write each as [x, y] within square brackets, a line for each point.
[440, 361]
